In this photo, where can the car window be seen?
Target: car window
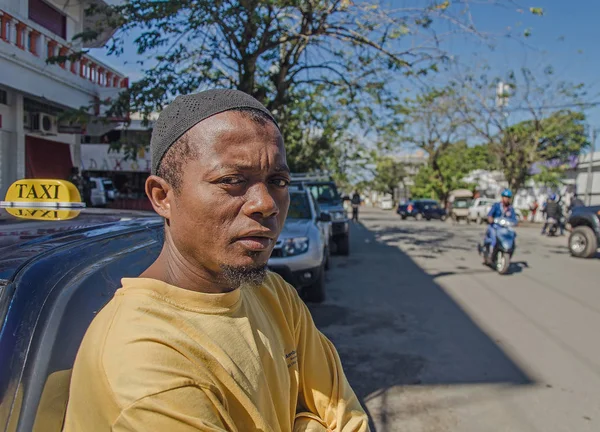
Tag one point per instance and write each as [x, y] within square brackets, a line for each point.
[324, 193]
[299, 207]
[108, 185]
[462, 203]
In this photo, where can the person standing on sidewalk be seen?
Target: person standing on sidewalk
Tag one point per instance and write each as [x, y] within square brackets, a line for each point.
[356, 200]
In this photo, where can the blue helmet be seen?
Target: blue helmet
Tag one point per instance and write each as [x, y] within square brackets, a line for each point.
[553, 197]
[507, 193]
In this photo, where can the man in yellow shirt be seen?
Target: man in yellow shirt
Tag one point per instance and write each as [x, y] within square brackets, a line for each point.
[206, 339]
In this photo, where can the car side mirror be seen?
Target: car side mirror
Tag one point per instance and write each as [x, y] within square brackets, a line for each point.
[324, 217]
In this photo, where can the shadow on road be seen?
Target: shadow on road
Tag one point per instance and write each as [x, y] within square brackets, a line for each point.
[394, 326]
[427, 237]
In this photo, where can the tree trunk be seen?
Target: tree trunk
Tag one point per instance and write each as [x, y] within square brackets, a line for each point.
[247, 76]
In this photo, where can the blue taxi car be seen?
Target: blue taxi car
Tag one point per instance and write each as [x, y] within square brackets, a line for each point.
[59, 265]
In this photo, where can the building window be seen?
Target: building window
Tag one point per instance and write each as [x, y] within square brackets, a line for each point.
[48, 17]
[3, 97]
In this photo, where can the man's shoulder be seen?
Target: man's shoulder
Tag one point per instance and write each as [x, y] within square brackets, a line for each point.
[126, 345]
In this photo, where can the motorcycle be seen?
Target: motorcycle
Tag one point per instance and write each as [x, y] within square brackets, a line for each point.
[498, 256]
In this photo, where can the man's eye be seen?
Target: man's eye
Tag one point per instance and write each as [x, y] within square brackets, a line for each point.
[231, 181]
[281, 182]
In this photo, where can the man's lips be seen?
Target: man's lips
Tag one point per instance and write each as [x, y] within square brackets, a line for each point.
[255, 243]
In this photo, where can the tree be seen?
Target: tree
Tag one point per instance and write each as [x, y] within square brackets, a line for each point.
[433, 126]
[389, 173]
[549, 130]
[454, 163]
[345, 54]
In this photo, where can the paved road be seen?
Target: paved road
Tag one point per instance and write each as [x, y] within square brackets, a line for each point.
[432, 340]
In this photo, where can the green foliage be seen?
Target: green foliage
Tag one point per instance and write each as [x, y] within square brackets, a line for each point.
[389, 173]
[549, 142]
[426, 184]
[455, 162]
[536, 11]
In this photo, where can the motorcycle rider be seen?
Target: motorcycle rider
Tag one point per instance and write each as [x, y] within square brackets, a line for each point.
[553, 210]
[499, 209]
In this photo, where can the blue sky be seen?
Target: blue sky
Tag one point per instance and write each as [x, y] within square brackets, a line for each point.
[566, 37]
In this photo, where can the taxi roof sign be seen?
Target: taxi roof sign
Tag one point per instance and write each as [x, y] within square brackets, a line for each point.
[43, 214]
[34, 193]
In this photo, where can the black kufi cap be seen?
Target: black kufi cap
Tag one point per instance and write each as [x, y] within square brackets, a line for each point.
[187, 111]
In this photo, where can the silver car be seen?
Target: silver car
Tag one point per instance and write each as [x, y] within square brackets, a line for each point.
[301, 253]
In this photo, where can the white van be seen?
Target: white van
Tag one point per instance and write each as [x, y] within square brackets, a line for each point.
[102, 191]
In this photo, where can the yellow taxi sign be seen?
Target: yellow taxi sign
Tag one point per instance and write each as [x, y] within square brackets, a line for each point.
[45, 214]
[32, 193]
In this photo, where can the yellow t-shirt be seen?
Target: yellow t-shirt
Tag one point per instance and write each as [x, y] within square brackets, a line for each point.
[162, 358]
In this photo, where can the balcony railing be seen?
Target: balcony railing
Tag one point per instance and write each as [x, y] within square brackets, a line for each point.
[39, 44]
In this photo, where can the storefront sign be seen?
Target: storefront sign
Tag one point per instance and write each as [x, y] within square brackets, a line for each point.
[96, 157]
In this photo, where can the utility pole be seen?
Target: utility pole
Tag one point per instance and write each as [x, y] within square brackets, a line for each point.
[590, 184]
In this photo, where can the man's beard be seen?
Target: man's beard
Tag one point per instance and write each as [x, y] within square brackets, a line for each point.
[239, 275]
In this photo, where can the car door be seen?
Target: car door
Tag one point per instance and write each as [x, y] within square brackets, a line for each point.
[97, 195]
[324, 227]
[474, 208]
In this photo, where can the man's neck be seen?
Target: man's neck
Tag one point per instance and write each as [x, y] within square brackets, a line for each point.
[172, 268]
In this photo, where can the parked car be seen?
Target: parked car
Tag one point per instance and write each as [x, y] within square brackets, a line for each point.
[386, 203]
[479, 209]
[325, 193]
[58, 267]
[460, 201]
[102, 191]
[301, 254]
[422, 209]
[584, 224]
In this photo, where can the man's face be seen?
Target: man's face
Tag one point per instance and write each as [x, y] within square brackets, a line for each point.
[234, 197]
[505, 201]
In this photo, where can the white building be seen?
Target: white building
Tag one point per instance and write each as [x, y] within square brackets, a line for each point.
[33, 93]
[587, 187]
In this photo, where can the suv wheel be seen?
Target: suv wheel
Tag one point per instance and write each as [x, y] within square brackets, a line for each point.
[343, 245]
[583, 242]
[316, 292]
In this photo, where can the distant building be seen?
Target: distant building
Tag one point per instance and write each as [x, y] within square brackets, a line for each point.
[128, 172]
[34, 142]
[586, 188]
[412, 163]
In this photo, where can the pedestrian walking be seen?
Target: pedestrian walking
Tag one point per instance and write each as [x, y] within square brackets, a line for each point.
[356, 200]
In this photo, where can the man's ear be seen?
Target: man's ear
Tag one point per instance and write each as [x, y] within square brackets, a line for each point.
[160, 193]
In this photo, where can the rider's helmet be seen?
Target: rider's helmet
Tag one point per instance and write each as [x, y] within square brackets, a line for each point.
[553, 197]
[507, 193]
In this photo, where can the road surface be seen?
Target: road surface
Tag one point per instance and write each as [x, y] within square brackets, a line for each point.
[432, 340]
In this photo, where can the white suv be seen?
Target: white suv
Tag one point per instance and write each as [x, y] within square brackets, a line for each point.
[479, 209]
[301, 253]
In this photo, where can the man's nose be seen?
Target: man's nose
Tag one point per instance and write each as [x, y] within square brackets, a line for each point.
[260, 202]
